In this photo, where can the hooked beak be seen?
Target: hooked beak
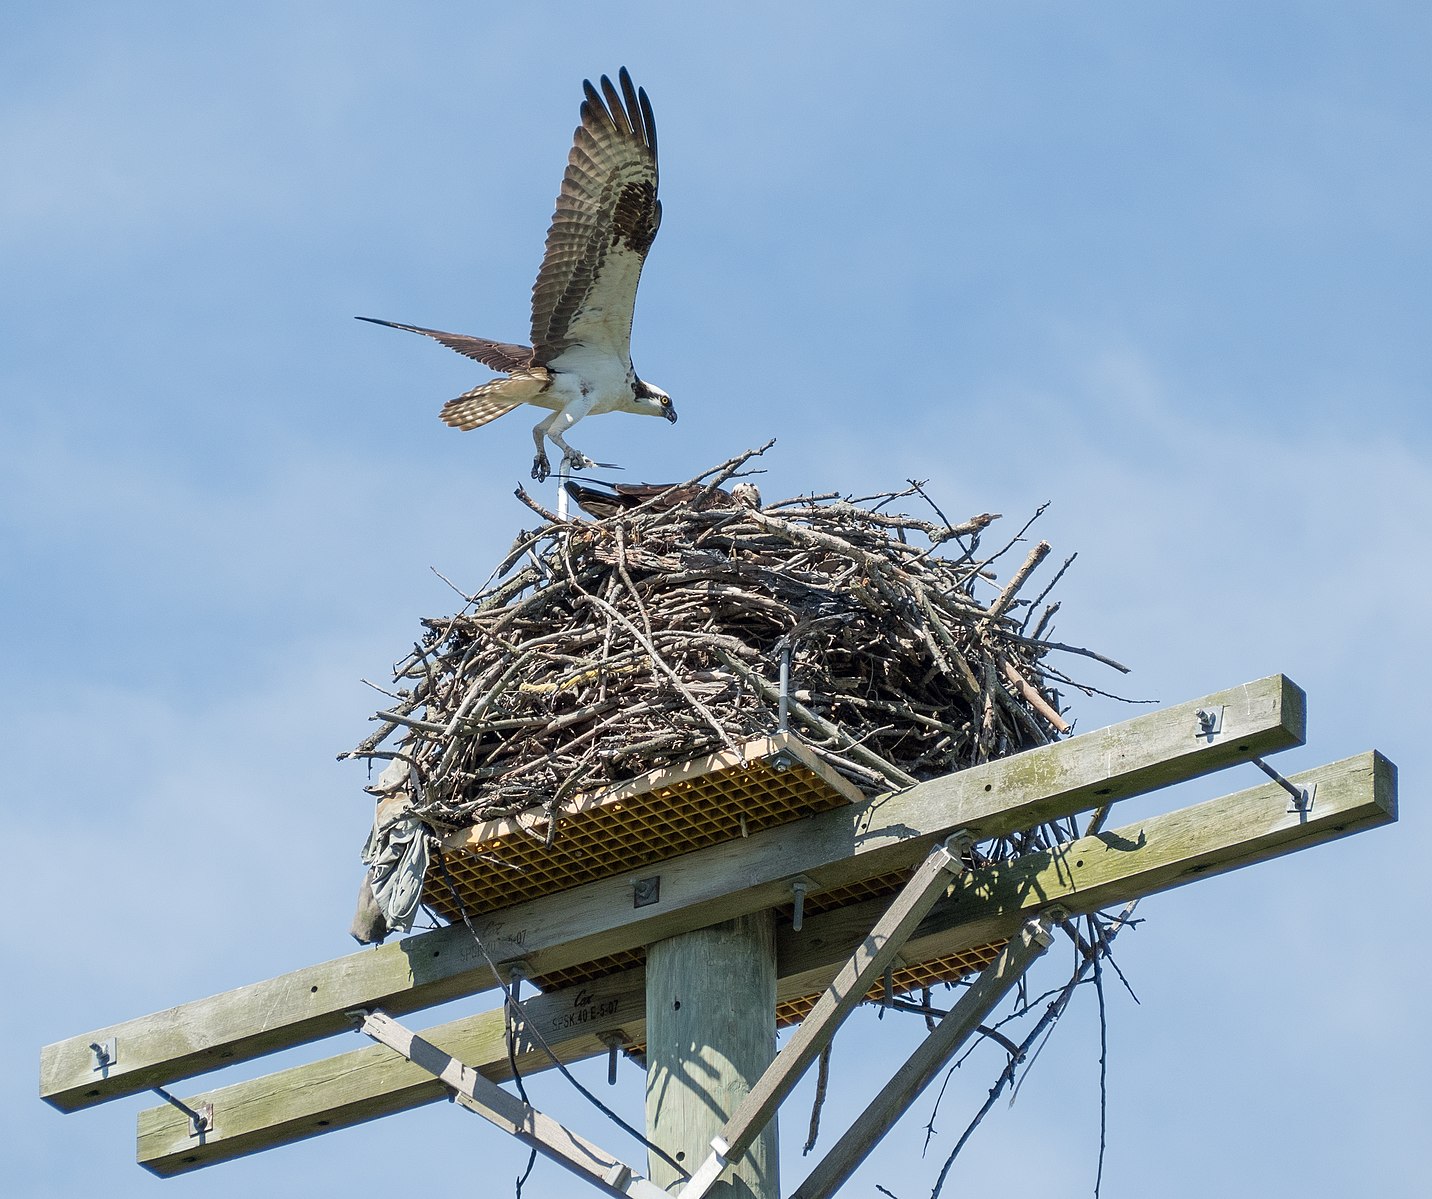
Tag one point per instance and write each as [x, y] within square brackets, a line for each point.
[671, 415]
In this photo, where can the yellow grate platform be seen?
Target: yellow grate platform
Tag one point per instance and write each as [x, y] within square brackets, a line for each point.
[660, 815]
[771, 781]
[946, 969]
[904, 979]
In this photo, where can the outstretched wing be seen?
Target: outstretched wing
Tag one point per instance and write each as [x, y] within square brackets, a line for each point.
[606, 219]
[499, 355]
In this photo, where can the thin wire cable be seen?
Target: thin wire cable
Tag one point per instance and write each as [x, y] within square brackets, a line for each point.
[531, 1028]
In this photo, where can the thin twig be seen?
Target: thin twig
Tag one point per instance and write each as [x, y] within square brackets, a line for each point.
[822, 1081]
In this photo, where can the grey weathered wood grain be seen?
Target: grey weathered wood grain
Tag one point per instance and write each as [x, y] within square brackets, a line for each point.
[711, 1035]
[1152, 855]
[931, 1056]
[836, 848]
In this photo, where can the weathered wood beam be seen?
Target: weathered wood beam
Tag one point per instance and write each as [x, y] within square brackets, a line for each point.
[930, 1057]
[992, 903]
[836, 848]
[710, 1036]
[364, 1084]
[852, 981]
[534, 1129]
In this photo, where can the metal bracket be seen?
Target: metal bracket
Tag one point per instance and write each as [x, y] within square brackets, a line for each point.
[1040, 929]
[105, 1054]
[784, 706]
[956, 845]
[799, 886]
[1209, 722]
[614, 1041]
[646, 891]
[1303, 801]
[617, 1176]
[782, 760]
[518, 972]
[200, 1117]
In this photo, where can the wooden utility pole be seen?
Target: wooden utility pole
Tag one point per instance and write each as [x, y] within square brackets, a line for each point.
[711, 1033]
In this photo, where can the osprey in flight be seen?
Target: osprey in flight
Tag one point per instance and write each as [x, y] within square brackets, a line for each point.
[579, 362]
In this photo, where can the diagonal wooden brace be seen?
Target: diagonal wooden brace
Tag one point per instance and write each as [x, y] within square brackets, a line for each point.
[849, 986]
[953, 1030]
[510, 1114]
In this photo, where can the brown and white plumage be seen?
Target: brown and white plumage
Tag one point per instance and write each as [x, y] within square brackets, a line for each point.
[579, 362]
[658, 497]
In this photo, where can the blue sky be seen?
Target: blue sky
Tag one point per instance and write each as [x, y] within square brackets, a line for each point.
[1164, 265]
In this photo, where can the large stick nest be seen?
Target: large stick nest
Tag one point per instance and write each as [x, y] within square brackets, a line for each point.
[604, 648]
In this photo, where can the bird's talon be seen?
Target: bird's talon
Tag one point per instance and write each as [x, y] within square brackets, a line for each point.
[541, 468]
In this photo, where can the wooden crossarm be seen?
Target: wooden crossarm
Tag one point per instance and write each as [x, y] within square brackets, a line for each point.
[990, 905]
[837, 848]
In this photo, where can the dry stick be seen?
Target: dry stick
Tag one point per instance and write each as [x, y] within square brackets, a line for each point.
[408, 722]
[1035, 643]
[814, 537]
[904, 710]
[797, 709]
[480, 702]
[630, 586]
[1019, 715]
[369, 745]
[991, 1033]
[1053, 672]
[514, 586]
[1006, 597]
[962, 672]
[1031, 695]
[520, 545]
[545, 514]
[1051, 1014]
[1038, 599]
[1044, 621]
[726, 471]
[1015, 540]
[884, 497]
[805, 498]
[675, 678]
[1103, 1066]
[822, 1080]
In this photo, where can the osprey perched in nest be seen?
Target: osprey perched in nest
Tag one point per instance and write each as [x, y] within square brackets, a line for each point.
[658, 497]
[579, 361]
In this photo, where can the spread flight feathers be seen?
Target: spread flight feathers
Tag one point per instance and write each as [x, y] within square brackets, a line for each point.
[579, 362]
